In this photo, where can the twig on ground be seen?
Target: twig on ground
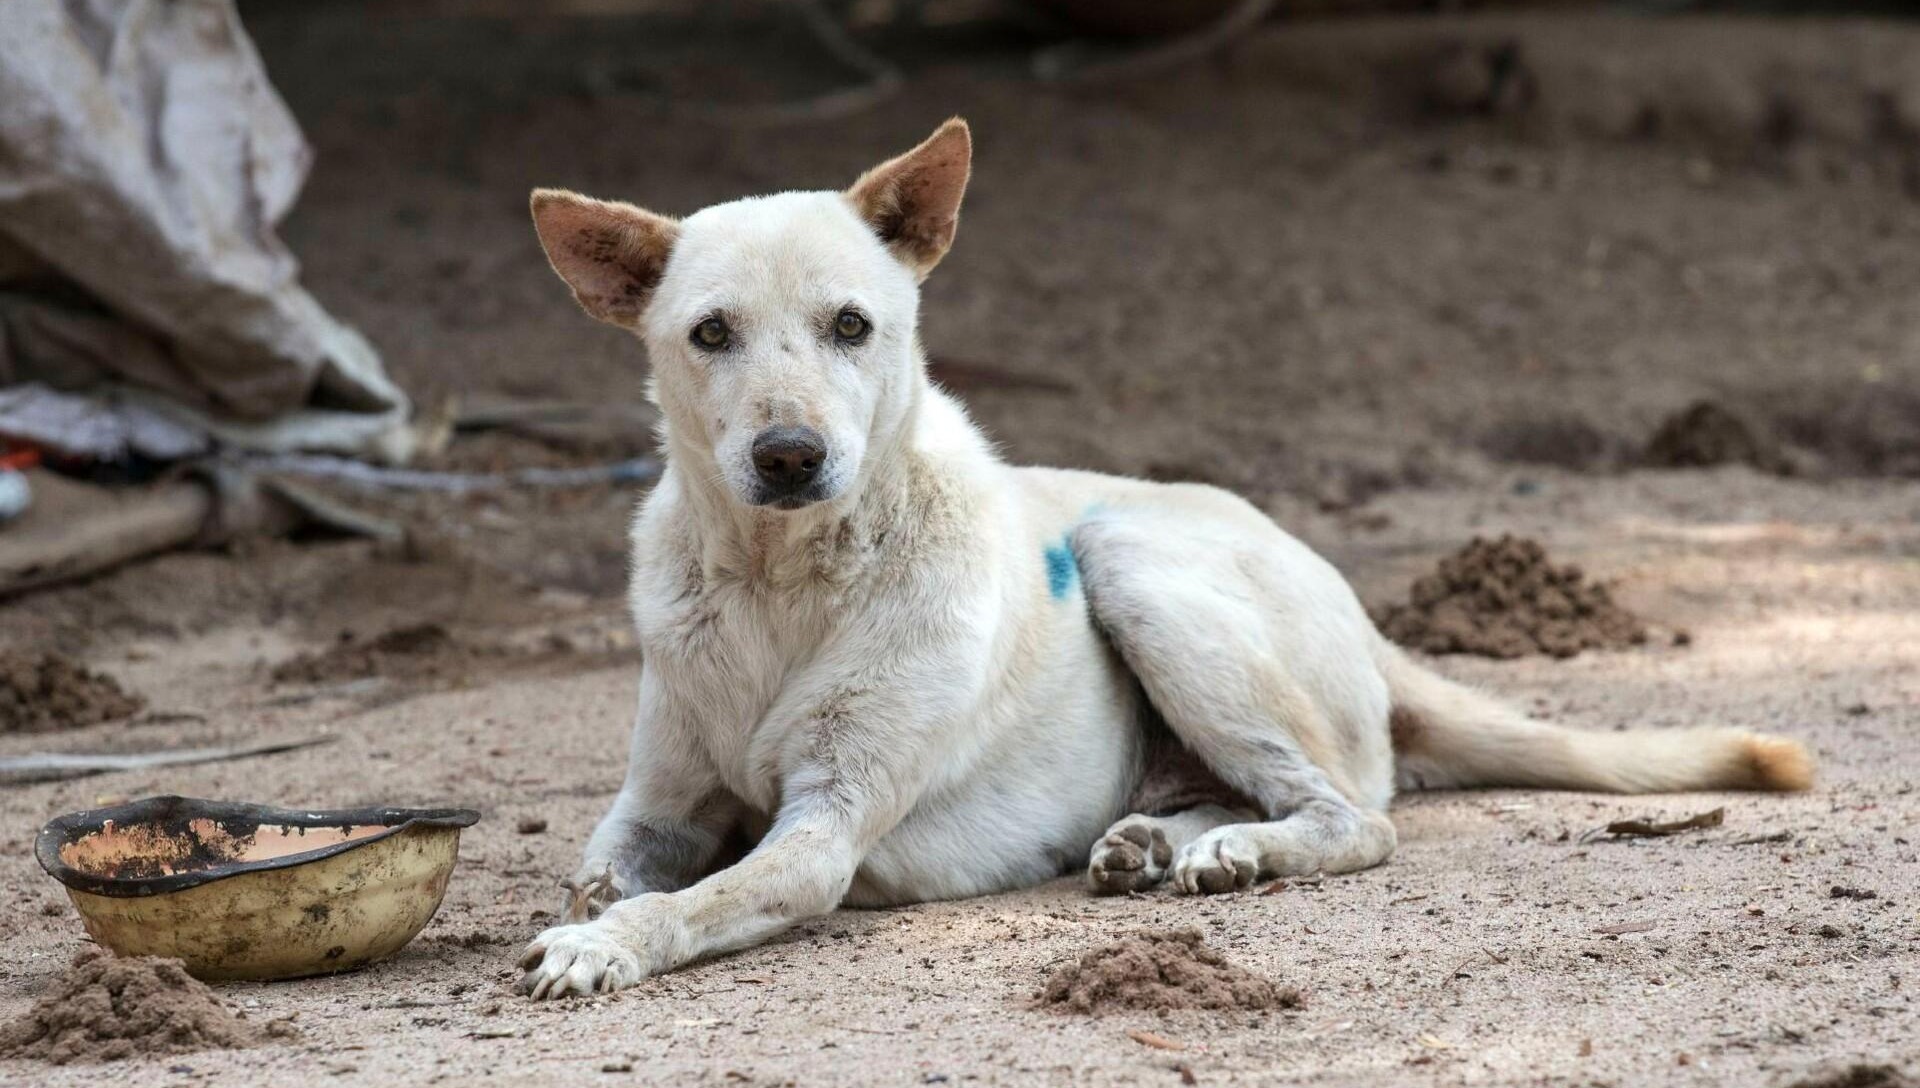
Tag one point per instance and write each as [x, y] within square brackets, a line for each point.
[360, 474]
[1157, 1042]
[1648, 828]
[57, 766]
[1457, 968]
[883, 82]
[1309, 883]
[1619, 928]
[1070, 63]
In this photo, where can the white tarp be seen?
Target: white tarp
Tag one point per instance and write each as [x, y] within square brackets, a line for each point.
[144, 162]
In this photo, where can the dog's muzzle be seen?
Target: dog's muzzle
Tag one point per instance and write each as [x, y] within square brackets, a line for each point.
[787, 463]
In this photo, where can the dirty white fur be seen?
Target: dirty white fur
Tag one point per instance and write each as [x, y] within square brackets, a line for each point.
[939, 680]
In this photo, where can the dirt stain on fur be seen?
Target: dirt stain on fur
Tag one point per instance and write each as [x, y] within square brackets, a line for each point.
[1161, 969]
[1503, 598]
[40, 693]
[104, 1008]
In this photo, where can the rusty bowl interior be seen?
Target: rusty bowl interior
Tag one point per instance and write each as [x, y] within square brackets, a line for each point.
[247, 891]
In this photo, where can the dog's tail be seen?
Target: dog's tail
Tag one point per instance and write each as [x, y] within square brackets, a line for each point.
[1446, 735]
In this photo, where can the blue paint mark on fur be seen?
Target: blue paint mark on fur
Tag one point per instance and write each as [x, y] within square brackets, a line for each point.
[1062, 570]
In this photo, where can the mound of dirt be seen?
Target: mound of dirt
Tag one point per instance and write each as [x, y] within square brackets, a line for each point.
[1708, 433]
[1502, 598]
[105, 1008]
[1864, 430]
[1557, 439]
[40, 693]
[424, 651]
[1862, 1075]
[1161, 969]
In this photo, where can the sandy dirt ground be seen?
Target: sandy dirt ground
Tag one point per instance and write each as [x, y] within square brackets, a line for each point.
[1396, 310]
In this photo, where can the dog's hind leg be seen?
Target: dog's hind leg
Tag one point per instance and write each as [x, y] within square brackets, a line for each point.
[1320, 837]
[1255, 654]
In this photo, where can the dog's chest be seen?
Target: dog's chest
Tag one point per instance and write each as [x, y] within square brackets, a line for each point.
[724, 652]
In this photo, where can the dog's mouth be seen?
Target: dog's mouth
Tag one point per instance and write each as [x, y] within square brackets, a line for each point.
[798, 499]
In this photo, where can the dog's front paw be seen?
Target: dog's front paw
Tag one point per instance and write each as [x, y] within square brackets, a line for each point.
[577, 959]
[1221, 860]
[635, 938]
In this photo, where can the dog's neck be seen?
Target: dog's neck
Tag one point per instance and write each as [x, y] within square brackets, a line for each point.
[822, 545]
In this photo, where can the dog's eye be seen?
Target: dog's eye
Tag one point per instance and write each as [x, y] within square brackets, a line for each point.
[850, 326]
[712, 334]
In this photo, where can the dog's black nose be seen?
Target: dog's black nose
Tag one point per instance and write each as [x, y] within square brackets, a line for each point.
[788, 458]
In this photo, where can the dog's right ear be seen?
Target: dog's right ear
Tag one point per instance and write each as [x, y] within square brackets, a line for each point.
[611, 254]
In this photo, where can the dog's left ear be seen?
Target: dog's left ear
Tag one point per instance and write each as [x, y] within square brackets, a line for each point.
[913, 201]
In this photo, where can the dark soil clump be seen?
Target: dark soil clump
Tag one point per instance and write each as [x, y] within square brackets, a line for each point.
[1563, 441]
[40, 693]
[421, 652]
[1861, 1075]
[1707, 433]
[1503, 599]
[1161, 969]
[1872, 430]
[105, 1008]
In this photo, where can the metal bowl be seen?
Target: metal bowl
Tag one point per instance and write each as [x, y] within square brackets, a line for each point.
[243, 891]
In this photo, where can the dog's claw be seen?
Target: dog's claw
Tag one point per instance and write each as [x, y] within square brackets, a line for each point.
[580, 905]
[532, 956]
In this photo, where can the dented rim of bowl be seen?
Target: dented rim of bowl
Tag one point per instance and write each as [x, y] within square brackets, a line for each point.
[169, 844]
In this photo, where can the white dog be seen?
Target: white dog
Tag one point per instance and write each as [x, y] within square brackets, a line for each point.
[910, 671]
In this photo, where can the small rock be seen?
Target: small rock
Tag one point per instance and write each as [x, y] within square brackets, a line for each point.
[531, 825]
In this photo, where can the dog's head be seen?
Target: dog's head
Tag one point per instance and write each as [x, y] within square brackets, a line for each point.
[781, 328]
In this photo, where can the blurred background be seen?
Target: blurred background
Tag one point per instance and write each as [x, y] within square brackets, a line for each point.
[302, 441]
[1329, 253]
